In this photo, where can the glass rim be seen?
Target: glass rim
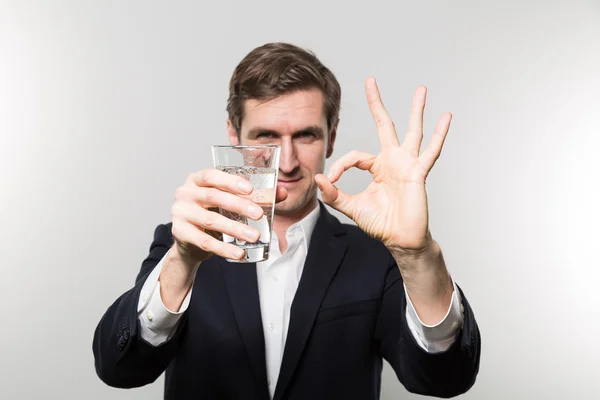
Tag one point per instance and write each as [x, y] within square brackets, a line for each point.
[245, 146]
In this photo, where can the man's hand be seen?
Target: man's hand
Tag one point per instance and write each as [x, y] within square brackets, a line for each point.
[393, 208]
[198, 227]
[197, 224]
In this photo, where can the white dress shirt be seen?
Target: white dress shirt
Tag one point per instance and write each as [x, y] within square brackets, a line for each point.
[278, 280]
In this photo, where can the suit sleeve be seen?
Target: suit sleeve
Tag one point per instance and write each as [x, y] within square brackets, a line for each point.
[442, 374]
[157, 322]
[123, 359]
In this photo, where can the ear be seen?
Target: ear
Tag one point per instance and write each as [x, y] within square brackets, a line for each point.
[331, 141]
[232, 134]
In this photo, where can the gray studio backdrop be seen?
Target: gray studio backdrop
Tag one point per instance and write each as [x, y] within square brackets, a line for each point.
[106, 106]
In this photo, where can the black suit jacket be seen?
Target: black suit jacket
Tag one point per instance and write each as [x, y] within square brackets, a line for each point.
[348, 314]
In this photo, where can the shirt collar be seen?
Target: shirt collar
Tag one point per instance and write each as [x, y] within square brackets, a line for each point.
[306, 225]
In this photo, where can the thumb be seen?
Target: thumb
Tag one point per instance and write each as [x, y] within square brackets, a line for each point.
[334, 197]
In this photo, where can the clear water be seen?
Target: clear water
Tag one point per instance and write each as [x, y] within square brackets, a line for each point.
[263, 180]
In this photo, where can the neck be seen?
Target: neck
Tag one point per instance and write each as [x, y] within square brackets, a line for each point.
[281, 222]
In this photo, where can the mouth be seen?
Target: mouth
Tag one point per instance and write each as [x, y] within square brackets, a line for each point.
[287, 183]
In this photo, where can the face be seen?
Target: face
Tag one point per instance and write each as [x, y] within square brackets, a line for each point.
[297, 123]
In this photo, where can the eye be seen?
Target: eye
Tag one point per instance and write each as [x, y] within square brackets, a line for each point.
[306, 135]
[265, 135]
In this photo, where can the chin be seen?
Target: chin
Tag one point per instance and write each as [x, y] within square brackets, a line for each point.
[292, 205]
[285, 209]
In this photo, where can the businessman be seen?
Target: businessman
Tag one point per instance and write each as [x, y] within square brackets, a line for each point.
[316, 320]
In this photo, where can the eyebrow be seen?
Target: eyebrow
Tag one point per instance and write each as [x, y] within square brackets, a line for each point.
[314, 129]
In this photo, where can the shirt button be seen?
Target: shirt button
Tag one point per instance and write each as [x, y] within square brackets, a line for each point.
[271, 326]
[275, 278]
[149, 315]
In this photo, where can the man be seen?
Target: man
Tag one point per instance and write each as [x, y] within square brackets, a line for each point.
[316, 320]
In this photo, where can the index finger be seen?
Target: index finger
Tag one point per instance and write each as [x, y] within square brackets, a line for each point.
[383, 121]
[221, 180]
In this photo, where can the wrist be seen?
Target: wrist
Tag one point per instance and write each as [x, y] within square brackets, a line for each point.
[427, 257]
[179, 255]
[176, 278]
[424, 273]
[179, 270]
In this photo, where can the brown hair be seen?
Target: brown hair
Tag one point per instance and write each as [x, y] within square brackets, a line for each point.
[274, 69]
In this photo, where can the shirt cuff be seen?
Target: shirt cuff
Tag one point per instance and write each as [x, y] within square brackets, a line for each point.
[439, 337]
[158, 324]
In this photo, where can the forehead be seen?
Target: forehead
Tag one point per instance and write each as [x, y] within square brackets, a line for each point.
[286, 113]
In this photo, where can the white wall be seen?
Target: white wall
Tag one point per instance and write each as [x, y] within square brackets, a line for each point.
[106, 106]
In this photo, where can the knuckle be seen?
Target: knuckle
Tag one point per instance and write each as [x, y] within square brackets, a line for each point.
[210, 195]
[382, 123]
[209, 221]
[384, 120]
[416, 105]
[204, 242]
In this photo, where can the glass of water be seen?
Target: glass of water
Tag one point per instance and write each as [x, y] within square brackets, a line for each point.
[258, 164]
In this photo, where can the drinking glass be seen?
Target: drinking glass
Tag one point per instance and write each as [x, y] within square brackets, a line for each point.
[259, 164]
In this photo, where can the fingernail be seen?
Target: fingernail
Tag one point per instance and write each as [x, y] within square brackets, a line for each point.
[254, 211]
[244, 186]
[238, 253]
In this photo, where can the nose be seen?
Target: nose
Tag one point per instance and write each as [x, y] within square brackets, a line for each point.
[288, 160]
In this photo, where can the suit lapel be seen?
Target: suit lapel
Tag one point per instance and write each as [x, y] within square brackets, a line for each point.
[326, 251]
[243, 294]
